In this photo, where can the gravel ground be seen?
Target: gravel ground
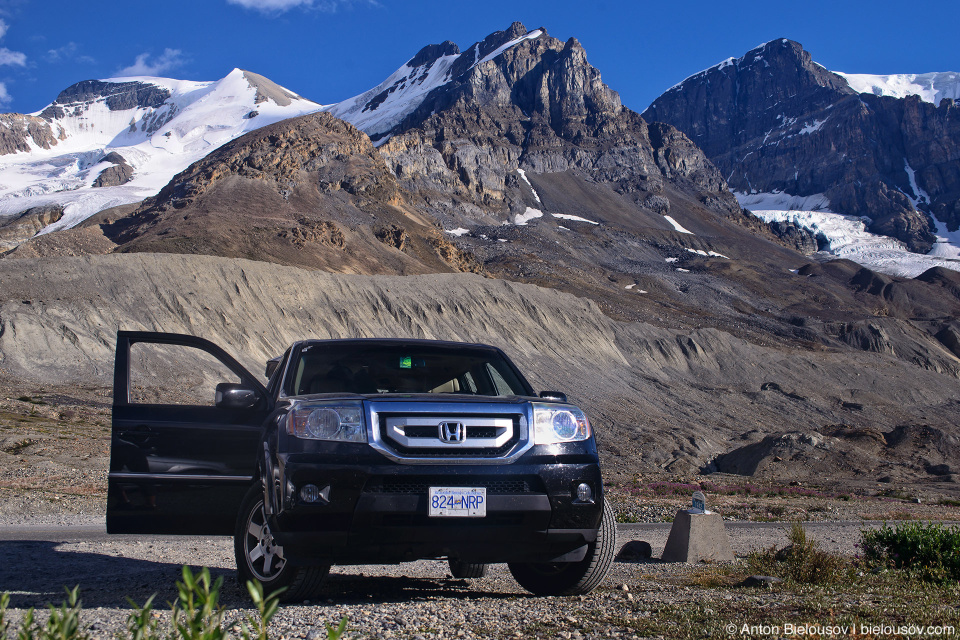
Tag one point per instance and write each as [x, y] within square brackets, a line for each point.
[54, 449]
[412, 600]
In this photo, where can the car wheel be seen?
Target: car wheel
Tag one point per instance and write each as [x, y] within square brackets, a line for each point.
[261, 559]
[572, 578]
[461, 570]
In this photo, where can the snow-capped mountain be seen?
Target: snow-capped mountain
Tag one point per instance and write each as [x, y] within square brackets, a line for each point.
[105, 143]
[881, 153]
[140, 131]
[378, 111]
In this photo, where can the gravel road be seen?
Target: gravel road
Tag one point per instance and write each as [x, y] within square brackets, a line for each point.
[412, 600]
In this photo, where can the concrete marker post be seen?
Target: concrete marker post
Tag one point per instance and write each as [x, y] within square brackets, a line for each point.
[697, 534]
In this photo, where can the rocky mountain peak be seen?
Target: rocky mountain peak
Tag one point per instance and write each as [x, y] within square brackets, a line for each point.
[775, 121]
[433, 52]
[529, 72]
[118, 96]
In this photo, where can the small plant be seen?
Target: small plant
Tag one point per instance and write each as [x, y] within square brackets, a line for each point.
[929, 551]
[335, 633]
[196, 615]
[801, 561]
[63, 623]
[141, 624]
[266, 607]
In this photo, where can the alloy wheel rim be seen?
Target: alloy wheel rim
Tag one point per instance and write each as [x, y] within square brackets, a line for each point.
[264, 556]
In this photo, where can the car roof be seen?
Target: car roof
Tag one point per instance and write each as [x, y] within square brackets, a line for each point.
[398, 342]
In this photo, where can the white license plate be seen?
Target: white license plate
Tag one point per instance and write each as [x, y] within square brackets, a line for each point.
[463, 502]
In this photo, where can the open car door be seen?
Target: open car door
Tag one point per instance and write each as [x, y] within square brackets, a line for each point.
[187, 427]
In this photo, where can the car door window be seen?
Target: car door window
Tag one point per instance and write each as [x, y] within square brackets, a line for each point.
[172, 374]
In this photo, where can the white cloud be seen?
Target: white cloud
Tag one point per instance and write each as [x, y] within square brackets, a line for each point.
[279, 6]
[14, 58]
[145, 66]
[69, 53]
[5, 97]
[7, 57]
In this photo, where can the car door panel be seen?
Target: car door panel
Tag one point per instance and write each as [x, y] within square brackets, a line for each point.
[179, 468]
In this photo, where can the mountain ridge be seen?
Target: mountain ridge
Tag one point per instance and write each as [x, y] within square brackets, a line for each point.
[774, 121]
[518, 202]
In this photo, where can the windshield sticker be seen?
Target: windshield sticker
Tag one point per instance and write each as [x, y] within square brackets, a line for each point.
[406, 362]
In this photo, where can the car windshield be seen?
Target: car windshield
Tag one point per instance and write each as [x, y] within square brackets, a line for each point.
[368, 368]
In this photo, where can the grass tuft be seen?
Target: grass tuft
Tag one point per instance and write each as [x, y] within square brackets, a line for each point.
[802, 561]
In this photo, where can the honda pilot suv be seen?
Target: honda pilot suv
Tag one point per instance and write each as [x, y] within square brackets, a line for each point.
[360, 451]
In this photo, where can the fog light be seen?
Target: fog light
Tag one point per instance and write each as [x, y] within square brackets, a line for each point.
[309, 493]
[584, 493]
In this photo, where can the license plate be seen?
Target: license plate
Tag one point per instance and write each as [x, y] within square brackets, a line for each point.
[462, 502]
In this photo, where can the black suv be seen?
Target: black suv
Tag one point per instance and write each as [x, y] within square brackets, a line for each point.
[358, 452]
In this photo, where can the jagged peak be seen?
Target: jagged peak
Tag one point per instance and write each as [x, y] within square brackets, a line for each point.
[380, 109]
[772, 53]
[432, 53]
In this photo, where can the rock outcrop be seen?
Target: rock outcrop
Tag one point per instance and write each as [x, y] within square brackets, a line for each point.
[775, 121]
[17, 229]
[118, 96]
[309, 191]
[120, 172]
[18, 132]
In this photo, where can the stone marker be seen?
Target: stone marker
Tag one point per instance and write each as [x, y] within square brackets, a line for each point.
[697, 534]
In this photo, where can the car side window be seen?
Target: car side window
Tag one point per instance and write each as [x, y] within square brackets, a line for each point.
[175, 374]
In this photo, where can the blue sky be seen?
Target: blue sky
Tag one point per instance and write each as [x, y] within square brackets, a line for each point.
[330, 50]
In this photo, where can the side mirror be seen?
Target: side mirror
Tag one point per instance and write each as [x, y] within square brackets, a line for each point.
[235, 396]
[553, 395]
[272, 365]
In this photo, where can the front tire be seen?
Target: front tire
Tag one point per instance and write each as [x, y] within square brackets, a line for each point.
[261, 559]
[572, 578]
[461, 570]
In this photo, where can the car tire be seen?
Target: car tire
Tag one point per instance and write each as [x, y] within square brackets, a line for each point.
[260, 559]
[572, 578]
[462, 570]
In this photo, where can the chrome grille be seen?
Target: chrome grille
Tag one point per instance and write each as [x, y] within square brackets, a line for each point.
[416, 432]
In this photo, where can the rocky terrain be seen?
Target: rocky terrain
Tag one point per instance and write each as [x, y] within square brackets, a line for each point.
[772, 411]
[775, 121]
[519, 204]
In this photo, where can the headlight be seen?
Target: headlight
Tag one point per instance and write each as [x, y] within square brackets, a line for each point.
[555, 423]
[336, 422]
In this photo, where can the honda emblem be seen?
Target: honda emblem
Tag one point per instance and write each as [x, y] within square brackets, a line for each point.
[452, 432]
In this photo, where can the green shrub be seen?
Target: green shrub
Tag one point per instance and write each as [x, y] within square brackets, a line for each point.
[931, 552]
[801, 561]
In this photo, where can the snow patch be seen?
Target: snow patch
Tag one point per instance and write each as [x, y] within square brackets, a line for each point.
[707, 254]
[523, 174]
[458, 232]
[811, 128]
[920, 196]
[521, 219]
[931, 87]
[564, 216]
[677, 225]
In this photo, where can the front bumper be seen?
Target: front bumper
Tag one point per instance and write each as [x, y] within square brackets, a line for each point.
[379, 513]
